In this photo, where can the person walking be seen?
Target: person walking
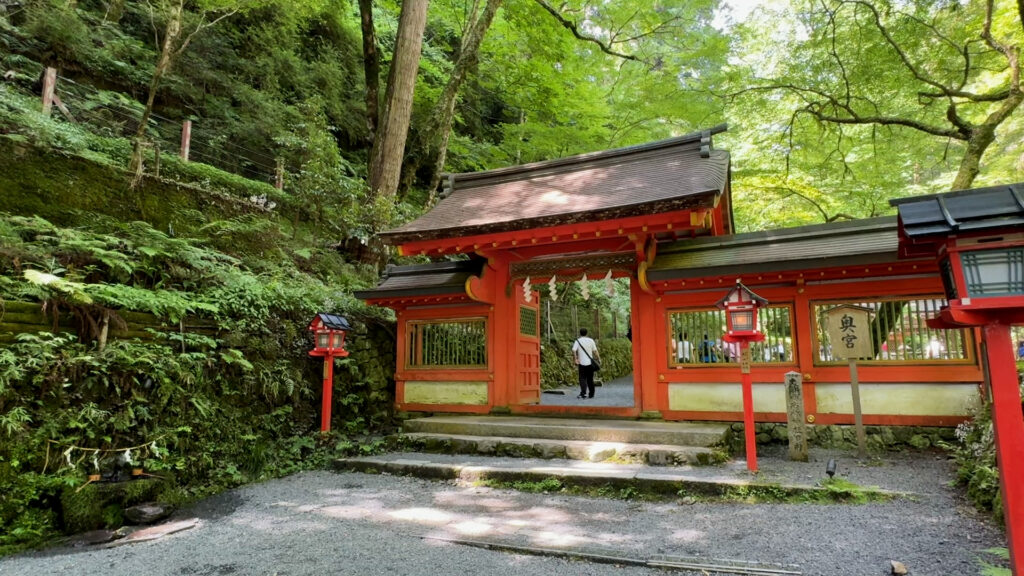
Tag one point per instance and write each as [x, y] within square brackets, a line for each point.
[586, 358]
[683, 348]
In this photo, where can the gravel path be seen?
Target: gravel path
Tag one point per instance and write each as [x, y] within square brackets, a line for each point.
[618, 393]
[331, 523]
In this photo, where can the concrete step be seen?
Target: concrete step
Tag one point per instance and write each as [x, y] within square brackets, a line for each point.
[729, 480]
[621, 431]
[653, 454]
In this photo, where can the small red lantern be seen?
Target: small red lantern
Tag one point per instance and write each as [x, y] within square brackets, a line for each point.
[741, 306]
[328, 341]
[329, 335]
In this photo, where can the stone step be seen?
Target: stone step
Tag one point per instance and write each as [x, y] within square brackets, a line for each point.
[653, 454]
[621, 431]
[729, 480]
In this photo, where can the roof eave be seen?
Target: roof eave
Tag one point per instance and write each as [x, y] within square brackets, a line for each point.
[689, 201]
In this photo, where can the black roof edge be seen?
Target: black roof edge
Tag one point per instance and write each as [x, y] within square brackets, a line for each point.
[782, 234]
[473, 264]
[691, 138]
[954, 193]
[404, 292]
[776, 266]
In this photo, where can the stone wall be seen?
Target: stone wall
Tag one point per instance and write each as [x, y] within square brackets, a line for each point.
[879, 438]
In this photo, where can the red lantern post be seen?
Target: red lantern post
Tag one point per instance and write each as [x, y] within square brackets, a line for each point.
[328, 341]
[741, 306]
[976, 237]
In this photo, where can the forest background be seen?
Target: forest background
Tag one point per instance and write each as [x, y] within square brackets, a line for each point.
[834, 107]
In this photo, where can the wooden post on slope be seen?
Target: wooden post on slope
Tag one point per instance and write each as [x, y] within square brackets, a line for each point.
[49, 85]
[279, 174]
[186, 139]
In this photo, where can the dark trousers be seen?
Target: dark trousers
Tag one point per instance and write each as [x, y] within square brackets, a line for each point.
[586, 380]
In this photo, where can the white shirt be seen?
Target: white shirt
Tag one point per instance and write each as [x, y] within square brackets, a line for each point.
[584, 343]
[684, 350]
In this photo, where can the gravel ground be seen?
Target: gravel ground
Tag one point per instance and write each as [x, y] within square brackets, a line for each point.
[334, 523]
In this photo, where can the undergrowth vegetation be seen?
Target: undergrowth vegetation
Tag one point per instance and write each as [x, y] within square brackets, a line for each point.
[975, 455]
[233, 400]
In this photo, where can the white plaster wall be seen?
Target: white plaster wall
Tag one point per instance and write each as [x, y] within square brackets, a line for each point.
[715, 397]
[460, 393]
[924, 399]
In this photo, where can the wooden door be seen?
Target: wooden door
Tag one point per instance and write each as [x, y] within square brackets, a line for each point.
[528, 350]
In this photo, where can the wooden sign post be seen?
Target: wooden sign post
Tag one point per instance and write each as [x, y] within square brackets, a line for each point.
[849, 334]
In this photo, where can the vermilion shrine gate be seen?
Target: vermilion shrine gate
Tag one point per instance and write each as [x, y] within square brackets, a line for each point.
[660, 214]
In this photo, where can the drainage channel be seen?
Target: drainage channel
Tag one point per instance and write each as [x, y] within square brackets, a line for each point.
[706, 565]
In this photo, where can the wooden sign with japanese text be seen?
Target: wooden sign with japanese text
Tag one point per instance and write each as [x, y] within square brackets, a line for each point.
[745, 359]
[849, 332]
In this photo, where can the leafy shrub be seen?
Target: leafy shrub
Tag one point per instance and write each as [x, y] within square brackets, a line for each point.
[975, 455]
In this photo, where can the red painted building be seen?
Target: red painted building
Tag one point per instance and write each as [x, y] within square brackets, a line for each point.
[660, 214]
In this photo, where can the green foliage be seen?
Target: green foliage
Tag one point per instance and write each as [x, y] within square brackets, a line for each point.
[975, 455]
[545, 486]
[988, 569]
[229, 405]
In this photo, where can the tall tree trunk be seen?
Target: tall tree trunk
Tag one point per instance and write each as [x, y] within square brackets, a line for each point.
[432, 141]
[389, 145]
[172, 33]
[371, 67]
[981, 137]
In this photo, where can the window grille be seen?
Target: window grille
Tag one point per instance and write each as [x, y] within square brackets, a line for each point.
[527, 321]
[458, 343]
[695, 338]
[899, 332]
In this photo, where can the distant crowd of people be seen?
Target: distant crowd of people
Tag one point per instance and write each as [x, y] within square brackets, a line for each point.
[708, 350]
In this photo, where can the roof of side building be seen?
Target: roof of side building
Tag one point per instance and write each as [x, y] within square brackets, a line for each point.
[430, 279]
[675, 174]
[856, 242]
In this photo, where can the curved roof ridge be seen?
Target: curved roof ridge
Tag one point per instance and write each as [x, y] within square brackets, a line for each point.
[538, 168]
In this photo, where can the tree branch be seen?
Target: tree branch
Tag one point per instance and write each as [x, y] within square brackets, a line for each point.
[200, 27]
[896, 47]
[887, 121]
[572, 27]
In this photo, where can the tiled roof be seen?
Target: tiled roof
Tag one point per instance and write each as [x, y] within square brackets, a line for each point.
[674, 174]
[867, 241]
[961, 211]
[424, 280]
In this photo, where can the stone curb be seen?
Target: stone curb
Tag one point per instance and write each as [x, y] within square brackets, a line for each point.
[659, 482]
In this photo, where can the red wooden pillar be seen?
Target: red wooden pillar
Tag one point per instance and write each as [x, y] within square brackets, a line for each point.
[748, 408]
[1008, 423]
[646, 341]
[504, 323]
[49, 85]
[186, 139]
[328, 391]
[325, 406]
[804, 352]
